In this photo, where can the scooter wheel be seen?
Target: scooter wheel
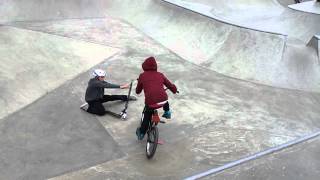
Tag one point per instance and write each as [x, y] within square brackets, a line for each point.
[124, 116]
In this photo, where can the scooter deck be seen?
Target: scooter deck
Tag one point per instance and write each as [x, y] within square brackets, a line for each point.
[113, 114]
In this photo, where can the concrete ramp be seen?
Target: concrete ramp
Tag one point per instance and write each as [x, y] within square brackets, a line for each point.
[261, 15]
[231, 50]
[33, 64]
[234, 51]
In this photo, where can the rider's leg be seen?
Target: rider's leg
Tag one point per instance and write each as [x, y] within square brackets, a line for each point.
[96, 107]
[107, 98]
[166, 106]
[147, 115]
[167, 112]
[138, 131]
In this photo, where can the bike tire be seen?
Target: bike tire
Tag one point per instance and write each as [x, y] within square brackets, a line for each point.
[152, 142]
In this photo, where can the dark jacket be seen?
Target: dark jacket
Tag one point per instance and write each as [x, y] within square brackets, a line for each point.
[95, 89]
[153, 82]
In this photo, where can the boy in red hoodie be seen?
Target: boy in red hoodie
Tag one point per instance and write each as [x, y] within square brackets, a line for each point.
[152, 83]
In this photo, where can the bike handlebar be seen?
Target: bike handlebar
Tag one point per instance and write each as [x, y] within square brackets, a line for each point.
[164, 89]
[168, 88]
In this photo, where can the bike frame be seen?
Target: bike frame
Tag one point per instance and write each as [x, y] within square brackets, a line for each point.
[152, 133]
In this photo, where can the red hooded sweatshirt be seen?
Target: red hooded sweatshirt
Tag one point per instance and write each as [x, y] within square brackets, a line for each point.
[151, 82]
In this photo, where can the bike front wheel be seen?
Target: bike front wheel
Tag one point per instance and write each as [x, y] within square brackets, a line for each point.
[152, 142]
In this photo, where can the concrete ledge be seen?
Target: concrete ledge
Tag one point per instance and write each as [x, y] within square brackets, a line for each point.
[308, 7]
[254, 156]
[314, 43]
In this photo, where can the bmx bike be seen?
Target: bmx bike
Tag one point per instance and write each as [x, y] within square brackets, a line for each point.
[153, 135]
[152, 130]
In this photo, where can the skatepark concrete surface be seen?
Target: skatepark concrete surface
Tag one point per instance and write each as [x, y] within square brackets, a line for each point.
[293, 163]
[242, 89]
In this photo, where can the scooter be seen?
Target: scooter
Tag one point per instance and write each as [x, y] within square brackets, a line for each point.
[123, 114]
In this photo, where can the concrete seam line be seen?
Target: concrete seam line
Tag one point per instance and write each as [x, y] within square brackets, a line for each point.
[223, 21]
[62, 36]
[254, 156]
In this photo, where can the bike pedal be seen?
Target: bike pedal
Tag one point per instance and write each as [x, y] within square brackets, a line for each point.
[161, 142]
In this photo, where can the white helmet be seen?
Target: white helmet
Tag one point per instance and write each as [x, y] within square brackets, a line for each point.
[99, 72]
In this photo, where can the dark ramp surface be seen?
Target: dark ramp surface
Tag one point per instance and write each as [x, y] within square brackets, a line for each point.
[53, 136]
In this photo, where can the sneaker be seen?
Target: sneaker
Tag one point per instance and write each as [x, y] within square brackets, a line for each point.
[167, 114]
[139, 135]
[84, 106]
[132, 98]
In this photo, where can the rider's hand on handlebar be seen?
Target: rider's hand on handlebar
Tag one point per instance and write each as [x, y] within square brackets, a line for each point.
[125, 86]
[177, 92]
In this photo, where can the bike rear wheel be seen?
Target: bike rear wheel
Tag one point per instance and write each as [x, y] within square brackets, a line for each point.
[152, 142]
